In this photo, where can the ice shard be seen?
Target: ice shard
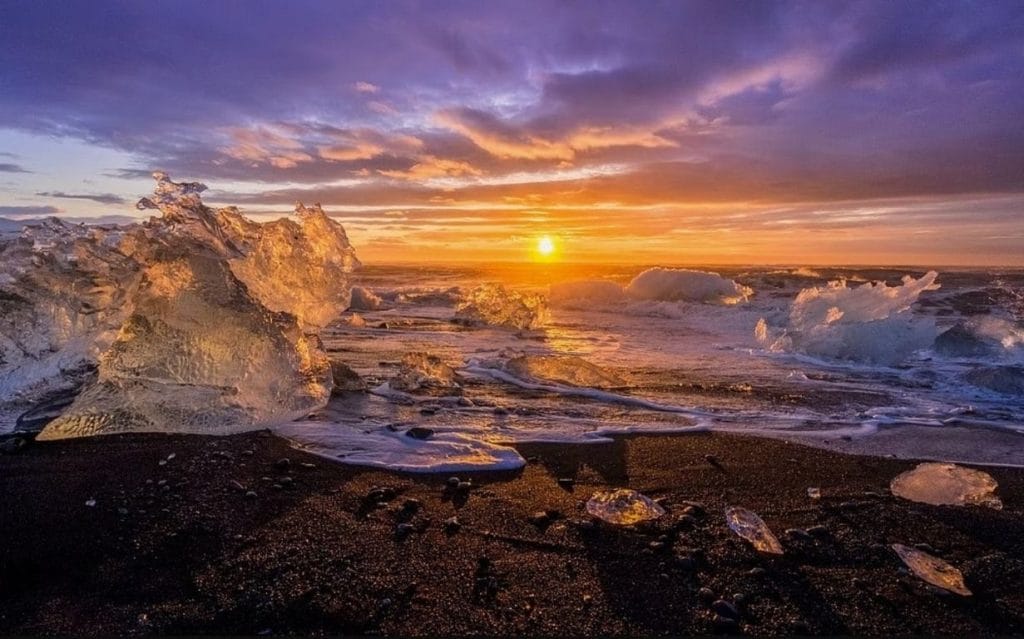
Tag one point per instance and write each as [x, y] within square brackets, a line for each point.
[947, 484]
[623, 507]
[193, 321]
[933, 570]
[496, 305]
[748, 525]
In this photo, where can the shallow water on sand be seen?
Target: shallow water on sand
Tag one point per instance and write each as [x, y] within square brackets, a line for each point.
[868, 376]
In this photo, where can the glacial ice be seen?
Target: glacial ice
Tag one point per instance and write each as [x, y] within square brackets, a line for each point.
[868, 323]
[652, 285]
[423, 370]
[947, 484]
[563, 369]
[673, 285]
[623, 507]
[169, 324]
[495, 305]
[933, 570]
[363, 299]
[748, 525]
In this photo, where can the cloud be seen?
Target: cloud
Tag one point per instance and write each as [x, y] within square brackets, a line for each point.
[102, 198]
[366, 87]
[7, 167]
[29, 210]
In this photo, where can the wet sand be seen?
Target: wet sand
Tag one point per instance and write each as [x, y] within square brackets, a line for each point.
[225, 538]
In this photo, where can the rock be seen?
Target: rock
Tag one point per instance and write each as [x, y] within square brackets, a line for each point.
[757, 571]
[428, 410]
[287, 482]
[403, 530]
[694, 508]
[725, 625]
[419, 432]
[90, 503]
[688, 564]
[657, 546]
[251, 494]
[380, 494]
[819, 531]
[814, 493]
[345, 379]
[725, 609]
[711, 459]
[13, 445]
[411, 505]
[464, 486]
[451, 525]
[741, 601]
[799, 534]
[706, 596]
[588, 600]
[687, 522]
[566, 482]
[500, 410]
[453, 482]
[283, 464]
[539, 519]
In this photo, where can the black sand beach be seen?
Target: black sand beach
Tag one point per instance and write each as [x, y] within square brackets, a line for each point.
[227, 538]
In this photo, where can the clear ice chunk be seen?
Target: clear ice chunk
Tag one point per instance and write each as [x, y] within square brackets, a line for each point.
[193, 321]
[423, 370]
[563, 369]
[933, 570]
[947, 484]
[496, 305]
[623, 507]
[748, 525]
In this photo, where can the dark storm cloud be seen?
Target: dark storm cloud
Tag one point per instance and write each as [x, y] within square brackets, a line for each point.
[701, 100]
[7, 167]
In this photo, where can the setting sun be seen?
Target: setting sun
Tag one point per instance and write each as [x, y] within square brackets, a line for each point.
[545, 246]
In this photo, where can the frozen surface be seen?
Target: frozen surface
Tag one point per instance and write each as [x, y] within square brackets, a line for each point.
[673, 285]
[868, 323]
[168, 325]
[623, 507]
[933, 570]
[497, 305]
[383, 448]
[748, 525]
[423, 370]
[947, 484]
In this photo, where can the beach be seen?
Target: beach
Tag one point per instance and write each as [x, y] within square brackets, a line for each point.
[184, 534]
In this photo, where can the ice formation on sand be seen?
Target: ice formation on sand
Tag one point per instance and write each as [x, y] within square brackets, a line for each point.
[749, 526]
[363, 299]
[932, 570]
[672, 285]
[868, 323]
[947, 484]
[496, 305]
[423, 370]
[563, 369]
[623, 507]
[167, 325]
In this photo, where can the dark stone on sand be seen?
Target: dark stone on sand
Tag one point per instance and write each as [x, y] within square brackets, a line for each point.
[419, 432]
[566, 482]
[741, 601]
[657, 546]
[13, 445]
[500, 410]
[687, 522]
[694, 508]
[453, 482]
[251, 494]
[689, 564]
[725, 609]
[706, 596]
[452, 525]
[282, 464]
[411, 505]
[711, 459]
[725, 625]
[799, 534]
[464, 486]
[428, 410]
[287, 482]
[380, 494]
[757, 571]
[403, 530]
[818, 531]
[539, 519]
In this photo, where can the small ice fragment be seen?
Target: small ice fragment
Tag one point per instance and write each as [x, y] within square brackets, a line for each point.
[623, 507]
[495, 305]
[814, 493]
[749, 526]
[947, 484]
[90, 503]
[932, 569]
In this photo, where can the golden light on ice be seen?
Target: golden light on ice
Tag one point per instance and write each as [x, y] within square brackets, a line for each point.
[545, 246]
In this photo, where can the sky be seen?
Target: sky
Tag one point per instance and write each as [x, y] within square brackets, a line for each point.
[628, 132]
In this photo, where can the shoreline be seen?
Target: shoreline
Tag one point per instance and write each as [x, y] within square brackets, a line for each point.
[182, 547]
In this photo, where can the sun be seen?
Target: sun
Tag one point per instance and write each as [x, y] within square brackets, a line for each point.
[545, 246]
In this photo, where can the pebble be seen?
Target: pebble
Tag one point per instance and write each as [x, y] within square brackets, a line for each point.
[464, 486]
[287, 482]
[687, 522]
[818, 531]
[13, 445]
[688, 564]
[725, 609]
[500, 410]
[248, 453]
[799, 534]
[741, 601]
[657, 546]
[465, 401]
[411, 505]
[419, 432]
[251, 494]
[282, 464]
[237, 484]
[90, 502]
[694, 508]
[402, 531]
[453, 482]
[711, 459]
[588, 599]
[539, 519]
[725, 625]
[452, 525]
[757, 571]
[705, 595]
[380, 494]
[428, 410]
[566, 482]
[122, 511]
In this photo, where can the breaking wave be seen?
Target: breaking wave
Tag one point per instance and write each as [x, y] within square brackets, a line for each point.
[652, 285]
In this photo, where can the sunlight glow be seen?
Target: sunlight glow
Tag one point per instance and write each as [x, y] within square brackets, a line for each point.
[545, 246]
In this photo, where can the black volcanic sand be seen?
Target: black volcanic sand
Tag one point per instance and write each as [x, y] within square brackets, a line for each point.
[181, 548]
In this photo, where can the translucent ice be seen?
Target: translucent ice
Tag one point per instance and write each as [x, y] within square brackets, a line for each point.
[671, 285]
[171, 324]
[749, 526]
[498, 306]
[563, 369]
[423, 370]
[867, 323]
[932, 570]
[363, 299]
[947, 484]
[623, 507]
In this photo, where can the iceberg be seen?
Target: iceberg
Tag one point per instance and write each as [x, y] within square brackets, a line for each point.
[623, 507]
[748, 525]
[495, 305]
[933, 570]
[947, 484]
[423, 370]
[868, 323]
[194, 321]
[673, 285]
